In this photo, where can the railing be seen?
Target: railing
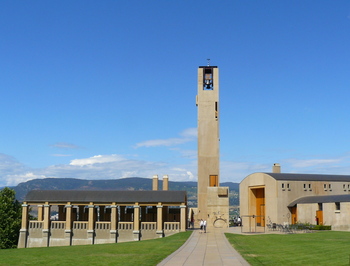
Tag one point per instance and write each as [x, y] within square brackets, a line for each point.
[80, 225]
[148, 226]
[58, 225]
[171, 226]
[125, 226]
[36, 224]
[103, 226]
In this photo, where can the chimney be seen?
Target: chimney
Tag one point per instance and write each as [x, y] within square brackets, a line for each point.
[276, 168]
[165, 182]
[155, 182]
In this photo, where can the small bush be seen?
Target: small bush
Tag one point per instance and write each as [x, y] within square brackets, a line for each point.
[321, 227]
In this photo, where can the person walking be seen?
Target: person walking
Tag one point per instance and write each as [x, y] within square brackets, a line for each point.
[201, 224]
[239, 221]
[205, 226]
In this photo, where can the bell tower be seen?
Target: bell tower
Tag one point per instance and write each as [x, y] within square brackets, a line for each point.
[212, 199]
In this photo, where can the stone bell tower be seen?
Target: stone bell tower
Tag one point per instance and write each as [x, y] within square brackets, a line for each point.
[213, 203]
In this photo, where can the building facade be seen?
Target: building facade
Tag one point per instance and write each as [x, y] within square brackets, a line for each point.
[283, 198]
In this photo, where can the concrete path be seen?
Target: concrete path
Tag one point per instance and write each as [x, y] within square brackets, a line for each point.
[211, 248]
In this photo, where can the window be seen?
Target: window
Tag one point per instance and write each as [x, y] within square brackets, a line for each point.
[310, 187]
[208, 79]
[304, 186]
[337, 206]
[282, 185]
[320, 206]
[288, 186]
[325, 186]
[330, 186]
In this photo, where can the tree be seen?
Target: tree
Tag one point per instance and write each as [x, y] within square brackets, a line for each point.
[10, 218]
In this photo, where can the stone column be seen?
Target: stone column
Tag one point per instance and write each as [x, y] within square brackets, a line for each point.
[160, 220]
[91, 222]
[136, 231]
[46, 227]
[166, 182]
[40, 213]
[23, 233]
[155, 182]
[68, 231]
[114, 220]
[183, 219]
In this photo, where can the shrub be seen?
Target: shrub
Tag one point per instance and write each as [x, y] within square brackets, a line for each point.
[321, 227]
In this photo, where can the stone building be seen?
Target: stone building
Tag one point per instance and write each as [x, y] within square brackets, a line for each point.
[213, 200]
[284, 198]
[95, 217]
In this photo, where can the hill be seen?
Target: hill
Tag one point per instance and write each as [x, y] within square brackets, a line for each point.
[131, 183]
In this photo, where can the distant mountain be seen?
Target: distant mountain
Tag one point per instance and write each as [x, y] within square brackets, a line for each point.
[131, 183]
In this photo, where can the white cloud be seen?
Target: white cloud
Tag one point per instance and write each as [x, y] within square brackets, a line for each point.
[15, 179]
[189, 132]
[187, 135]
[12, 172]
[97, 159]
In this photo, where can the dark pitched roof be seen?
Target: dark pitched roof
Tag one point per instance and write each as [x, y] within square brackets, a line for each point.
[106, 196]
[309, 177]
[321, 199]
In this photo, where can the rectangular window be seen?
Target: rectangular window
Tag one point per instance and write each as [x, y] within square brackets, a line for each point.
[325, 186]
[282, 185]
[208, 79]
[304, 186]
[337, 206]
[330, 186]
[320, 206]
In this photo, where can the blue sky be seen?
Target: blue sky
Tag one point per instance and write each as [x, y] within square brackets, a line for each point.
[106, 89]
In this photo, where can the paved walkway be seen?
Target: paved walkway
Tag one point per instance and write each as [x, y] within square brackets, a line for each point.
[211, 248]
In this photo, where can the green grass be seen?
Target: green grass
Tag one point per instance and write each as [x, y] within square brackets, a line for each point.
[318, 248]
[147, 252]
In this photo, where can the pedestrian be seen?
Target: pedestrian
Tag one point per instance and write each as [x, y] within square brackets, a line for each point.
[205, 226]
[239, 221]
[201, 225]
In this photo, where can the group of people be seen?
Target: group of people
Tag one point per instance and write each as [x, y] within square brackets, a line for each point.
[202, 225]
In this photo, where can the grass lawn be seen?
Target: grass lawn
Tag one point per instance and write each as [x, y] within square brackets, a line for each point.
[147, 252]
[318, 248]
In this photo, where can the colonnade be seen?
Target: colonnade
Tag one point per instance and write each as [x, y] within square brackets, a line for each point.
[82, 223]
